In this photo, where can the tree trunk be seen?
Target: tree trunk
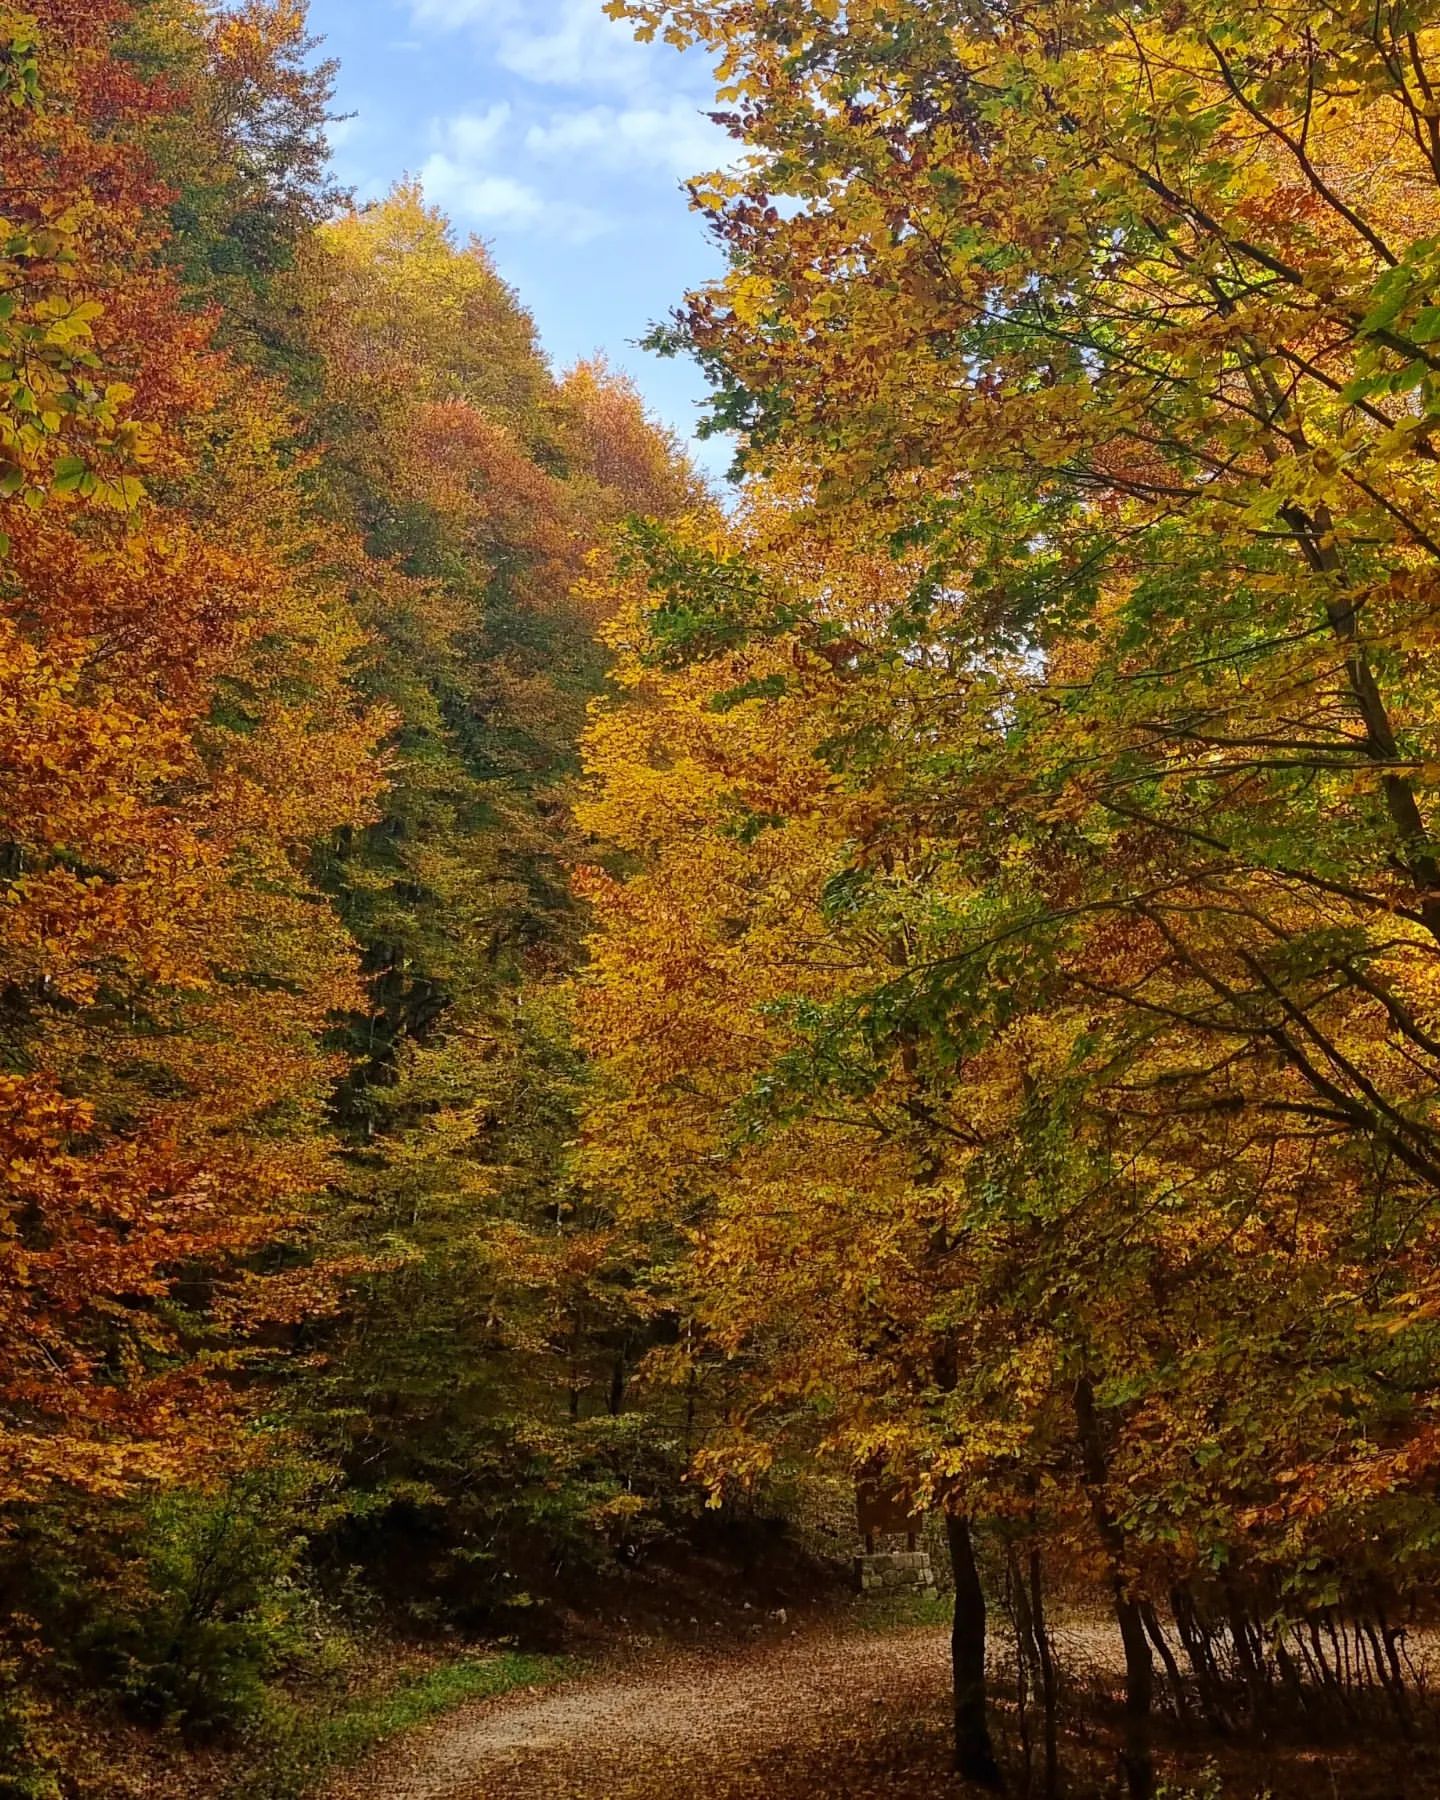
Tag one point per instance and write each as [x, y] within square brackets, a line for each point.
[974, 1752]
[1049, 1687]
[1139, 1695]
[1167, 1656]
[1017, 1602]
[1139, 1665]
[1194, 1637]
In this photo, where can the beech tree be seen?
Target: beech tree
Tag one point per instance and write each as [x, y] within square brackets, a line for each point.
[179, 730]
[475, 1377]
[1112, 337]
[524, 987]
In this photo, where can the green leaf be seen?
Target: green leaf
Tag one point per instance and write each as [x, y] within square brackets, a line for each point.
[1409, 377]
[69, 473]
[1364, 387]
[1391, 291]
[1426, 327]
[767, 687]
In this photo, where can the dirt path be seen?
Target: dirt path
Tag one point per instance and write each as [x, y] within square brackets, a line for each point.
[695, 1724]
[830, 1713]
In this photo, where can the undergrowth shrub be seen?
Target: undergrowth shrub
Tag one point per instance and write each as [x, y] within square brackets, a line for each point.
[29, 1746]
[177, 1611]
[215, 1604]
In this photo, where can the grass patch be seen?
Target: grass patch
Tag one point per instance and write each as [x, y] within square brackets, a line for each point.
[903, 1607]
[370, 1719]
[300, 1742]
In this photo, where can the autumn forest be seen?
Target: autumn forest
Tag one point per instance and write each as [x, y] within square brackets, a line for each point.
[556, 1016]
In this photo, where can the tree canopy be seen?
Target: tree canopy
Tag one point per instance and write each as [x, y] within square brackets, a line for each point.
[529, 999]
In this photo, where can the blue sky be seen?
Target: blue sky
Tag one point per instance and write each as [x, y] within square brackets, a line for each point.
[544, 128]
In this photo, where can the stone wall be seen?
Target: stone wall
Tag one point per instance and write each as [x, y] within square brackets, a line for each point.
[889, 1570]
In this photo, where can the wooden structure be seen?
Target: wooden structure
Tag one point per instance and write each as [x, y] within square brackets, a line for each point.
[883, 1511]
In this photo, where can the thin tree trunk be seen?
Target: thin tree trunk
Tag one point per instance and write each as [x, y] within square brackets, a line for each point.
[1167, 1656]
[1202, 1663]
[974, 1752]
[1139, 1666]
[1384, 1675]
[1049, 1687]
[1017, 1603]
[1251, 1669]
[1341, 1642]
[1289, 1673]
[691, 1384]
[1397, 1675]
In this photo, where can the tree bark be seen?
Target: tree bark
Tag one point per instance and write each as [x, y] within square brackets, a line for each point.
[1194, 1637]
[1017, 1602]
[974, 1752]
[1167, 1656]
[1049, 1686]
[1139, 1665]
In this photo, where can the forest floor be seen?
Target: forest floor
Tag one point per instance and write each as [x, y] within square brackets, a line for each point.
[833, 1711]
[691, 1722]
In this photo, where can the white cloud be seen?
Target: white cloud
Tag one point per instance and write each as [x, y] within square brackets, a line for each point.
[472, 136]
[676, 137]
[459, 176]
[523, 162]
[479, 196]
[584, 49]
[451, 14]
[564, 43]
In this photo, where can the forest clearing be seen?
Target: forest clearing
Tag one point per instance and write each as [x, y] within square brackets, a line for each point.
[622, 1016]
